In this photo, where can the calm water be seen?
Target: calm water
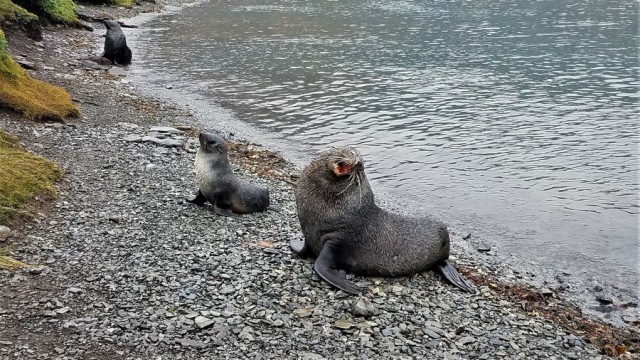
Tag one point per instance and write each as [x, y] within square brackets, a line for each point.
[514, 119]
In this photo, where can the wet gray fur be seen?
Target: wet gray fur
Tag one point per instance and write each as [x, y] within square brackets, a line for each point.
[115, 44]
[219, 185]
[374, 242]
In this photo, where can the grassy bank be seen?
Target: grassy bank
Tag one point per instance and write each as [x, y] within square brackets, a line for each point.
[23, 176]
[33, 98]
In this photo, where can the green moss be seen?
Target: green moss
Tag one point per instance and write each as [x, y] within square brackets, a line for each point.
[60, 10]
[22, 177]
[123, 3]
[12, 12]
[33, 98]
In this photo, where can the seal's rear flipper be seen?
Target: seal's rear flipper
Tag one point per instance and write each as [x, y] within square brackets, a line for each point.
[325, 268]
[198, 199]
[451, 274]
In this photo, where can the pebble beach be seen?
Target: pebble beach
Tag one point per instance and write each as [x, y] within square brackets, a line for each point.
[123, 268]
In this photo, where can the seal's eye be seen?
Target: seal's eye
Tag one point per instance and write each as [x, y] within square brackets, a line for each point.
[341, 168]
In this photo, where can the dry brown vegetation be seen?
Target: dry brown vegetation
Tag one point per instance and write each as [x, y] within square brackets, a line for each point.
[611, 340]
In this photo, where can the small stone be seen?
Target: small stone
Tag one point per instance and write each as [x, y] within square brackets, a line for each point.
[343, 324]
[5, 232]
[278, 323]
[482, 247]
[171, 142]
[631, 319]
[466, 340]
[166, 129]
[132, 138]
[62, 310]
[59, 350]
[604, 299]
[150, 139]
[362, 307]
[367, 324]
[430, 333]
[26, 64]
[36, 270]
[92, 278]
[546, 292]
[597, 288]
[191, 343]
[116, 71]
[227, 290]
[303, 312]
[311, 356]
[70, 325]
[169, 86]
[98, 60]
[90, 65]
[74, 290]
[397, 288]
[203, 322]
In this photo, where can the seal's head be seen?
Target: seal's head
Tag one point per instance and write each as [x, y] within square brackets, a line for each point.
[111, 24]
[337, 173]
[212, 143]
[343, 162]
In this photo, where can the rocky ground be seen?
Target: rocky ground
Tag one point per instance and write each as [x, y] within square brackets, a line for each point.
[124, 268]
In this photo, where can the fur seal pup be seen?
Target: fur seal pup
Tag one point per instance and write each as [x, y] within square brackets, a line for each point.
[218, 185]
[345, 229]
[115, 44]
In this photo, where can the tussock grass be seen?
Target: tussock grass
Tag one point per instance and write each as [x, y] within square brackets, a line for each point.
[60, 10]
[123, 3]
[7, 263]
[23, 176]
[33, 98]
[12, 12]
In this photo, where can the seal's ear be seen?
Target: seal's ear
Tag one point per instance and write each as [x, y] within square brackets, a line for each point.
[341, 168]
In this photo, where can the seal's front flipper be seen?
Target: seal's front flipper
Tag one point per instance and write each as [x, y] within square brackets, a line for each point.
[300, 248]
[198, 199]
[325, 268]
[451, 274]
[273, 208]
[225, 212]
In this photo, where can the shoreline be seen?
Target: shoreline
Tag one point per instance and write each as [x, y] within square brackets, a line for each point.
[563, 275]
[579, 289]
[127, 113]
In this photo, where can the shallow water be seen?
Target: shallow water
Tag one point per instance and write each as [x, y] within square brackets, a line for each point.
[514, 120]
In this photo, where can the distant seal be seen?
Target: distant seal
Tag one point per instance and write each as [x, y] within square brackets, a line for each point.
[115, 44]
[346, 231]
[218, 185]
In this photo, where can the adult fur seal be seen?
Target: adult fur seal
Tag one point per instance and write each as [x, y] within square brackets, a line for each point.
[345, 229]
[218, 185]
[115, 44]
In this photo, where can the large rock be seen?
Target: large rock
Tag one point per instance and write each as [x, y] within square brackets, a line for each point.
[5, 233]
